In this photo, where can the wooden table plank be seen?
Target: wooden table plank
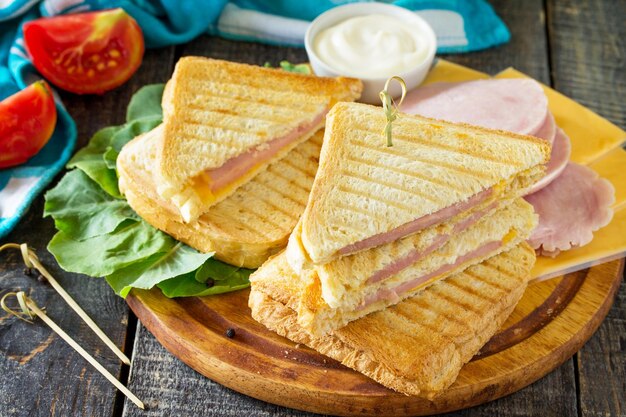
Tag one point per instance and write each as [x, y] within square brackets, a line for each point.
[40, 375]
[587, 55]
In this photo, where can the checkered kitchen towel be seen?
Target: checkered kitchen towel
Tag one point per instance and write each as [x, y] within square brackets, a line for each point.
[460, 25]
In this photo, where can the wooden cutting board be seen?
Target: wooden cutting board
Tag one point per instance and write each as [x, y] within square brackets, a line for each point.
[552, 321]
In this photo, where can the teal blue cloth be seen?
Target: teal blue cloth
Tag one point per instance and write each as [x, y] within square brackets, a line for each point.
[460, 26]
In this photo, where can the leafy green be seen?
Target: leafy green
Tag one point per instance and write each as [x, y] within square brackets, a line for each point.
[217, 270]
[146, 102]
[289, 67]
[187, 286]
[90, 161]
[100, 235]
[298, 68]
[178, 260]
[82, 209]
[103, 255]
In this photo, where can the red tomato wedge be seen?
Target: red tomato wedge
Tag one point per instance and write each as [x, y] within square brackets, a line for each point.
[27, 120]
[86, 53]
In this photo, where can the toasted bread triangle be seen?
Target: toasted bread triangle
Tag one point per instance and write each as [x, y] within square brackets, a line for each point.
[364, 188]
[216, 110]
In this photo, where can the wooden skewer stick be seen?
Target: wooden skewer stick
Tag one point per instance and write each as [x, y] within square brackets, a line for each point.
[33, 308]
[31, 261]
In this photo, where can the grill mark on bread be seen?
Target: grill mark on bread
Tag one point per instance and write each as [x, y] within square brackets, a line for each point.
[482, 279]
[261, 132]
[434, 306]
[301, 188]
[441, 294]
[242, 85]
[470, 291]
[406, 172]
[220, 111]
[415, 158]
[498, 269]
[254, 230]
[267, 200]
[366, 179]
[371, 197]
[309, 173]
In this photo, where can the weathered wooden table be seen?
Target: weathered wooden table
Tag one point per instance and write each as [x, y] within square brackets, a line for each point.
[576, 47]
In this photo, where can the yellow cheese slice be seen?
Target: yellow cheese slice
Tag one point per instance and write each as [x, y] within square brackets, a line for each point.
[592, 136]
[447, 71]
[612, 166]
[608, 243]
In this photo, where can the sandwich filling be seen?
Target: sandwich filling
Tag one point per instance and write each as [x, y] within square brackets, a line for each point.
[217, 179]
[418, 224]
[395, 294]
[416, 255]
[213, 185]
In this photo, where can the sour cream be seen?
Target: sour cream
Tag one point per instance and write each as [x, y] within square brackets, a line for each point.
[372, 46]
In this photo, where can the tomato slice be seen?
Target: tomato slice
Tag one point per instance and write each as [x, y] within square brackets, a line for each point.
[27, 120]
[86, 53]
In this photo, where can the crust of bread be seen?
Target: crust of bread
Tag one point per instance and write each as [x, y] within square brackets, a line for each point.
[243, 230]
[216, 110]
[418, 346]
[364, 188]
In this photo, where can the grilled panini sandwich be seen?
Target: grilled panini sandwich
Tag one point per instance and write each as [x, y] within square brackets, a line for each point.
[373, 280]
[383, 222]
[245, 228]
[418, 346]
[436, 173]
[225, 122]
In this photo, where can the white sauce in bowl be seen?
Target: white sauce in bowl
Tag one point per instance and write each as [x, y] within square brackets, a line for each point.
[372, 46]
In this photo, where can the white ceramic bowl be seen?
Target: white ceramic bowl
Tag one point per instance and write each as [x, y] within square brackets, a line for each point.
[371, 86]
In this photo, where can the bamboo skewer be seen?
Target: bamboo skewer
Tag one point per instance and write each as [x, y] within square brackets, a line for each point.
[29, 308]
[31, 260]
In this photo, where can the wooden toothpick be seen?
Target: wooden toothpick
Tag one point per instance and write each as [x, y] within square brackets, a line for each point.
[31, 261]
[30, 309]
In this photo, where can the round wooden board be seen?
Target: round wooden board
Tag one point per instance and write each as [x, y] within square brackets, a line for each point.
[552, 321]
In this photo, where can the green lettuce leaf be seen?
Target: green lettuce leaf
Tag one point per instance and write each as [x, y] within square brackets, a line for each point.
[82, 209]
[217, 270]
[187, 286]
[146, 102]
[179, 260]
[98, 256]
[127, 133]
[90, 161]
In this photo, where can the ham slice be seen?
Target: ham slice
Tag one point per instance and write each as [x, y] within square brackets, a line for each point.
[417, 224]
[416, 255]
[548, 130]
[395, 294]
[241, 164]
[559, 157]
[574, 205]
[516, 105]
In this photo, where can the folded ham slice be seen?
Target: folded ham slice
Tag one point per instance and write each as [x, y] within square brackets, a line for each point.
[236, 167]
[418, 224]
[576, 204]
[439, 241]
[516, 105]
[395, 294]
[559, 157]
